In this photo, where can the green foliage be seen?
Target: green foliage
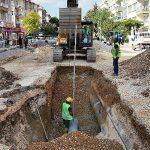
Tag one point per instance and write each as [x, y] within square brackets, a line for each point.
[54, 20]
[103, 18]
[132, 23]
[31, 22]
[120, 27]
[125, 26]
[49, 29]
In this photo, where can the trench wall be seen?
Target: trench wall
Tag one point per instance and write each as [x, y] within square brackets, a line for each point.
[20, 125]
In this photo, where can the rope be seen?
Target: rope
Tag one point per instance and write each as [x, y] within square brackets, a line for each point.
[74, 68]
[41, 121]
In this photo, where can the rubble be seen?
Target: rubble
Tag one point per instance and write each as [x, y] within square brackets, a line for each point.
[6, 78]
[138, 66]
[77, 141]
[146, 93]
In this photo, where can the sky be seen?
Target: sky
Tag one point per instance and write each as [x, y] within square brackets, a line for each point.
[52, 6]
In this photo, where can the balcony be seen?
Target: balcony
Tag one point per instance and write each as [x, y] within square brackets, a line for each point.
[143, 1]
[119, 8]
[143, 11]
[146, 22]
[19, 7]
[4, 6]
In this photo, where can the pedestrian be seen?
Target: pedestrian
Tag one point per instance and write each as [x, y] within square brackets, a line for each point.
[119, 38]
[25, 42]
[116, 53]
[20, 41]
[67, 114]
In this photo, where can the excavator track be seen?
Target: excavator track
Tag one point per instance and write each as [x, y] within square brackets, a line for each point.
[57, 55]
[91, 55]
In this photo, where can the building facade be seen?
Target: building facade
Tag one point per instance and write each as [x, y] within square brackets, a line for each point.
[125, 9]
[12, 13]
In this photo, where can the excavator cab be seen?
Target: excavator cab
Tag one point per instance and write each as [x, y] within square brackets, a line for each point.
[87, 34]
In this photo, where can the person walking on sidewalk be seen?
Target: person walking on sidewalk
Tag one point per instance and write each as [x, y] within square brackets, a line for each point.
[116, 53]
[20, 41]
[25, 42]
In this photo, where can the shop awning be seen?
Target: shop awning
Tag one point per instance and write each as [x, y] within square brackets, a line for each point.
[15, 30]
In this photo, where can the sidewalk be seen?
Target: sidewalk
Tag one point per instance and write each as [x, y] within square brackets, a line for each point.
[127, 50]
[7, 48]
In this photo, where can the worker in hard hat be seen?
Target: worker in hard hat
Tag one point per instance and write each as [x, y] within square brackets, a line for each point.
[67, 114]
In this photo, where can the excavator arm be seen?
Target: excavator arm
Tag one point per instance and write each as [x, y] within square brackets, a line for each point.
[72, 3]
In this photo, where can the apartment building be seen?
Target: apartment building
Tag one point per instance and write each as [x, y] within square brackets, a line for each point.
[12, 13]
[125, 9]
[42, 14]
[48, 17]
[7, 22]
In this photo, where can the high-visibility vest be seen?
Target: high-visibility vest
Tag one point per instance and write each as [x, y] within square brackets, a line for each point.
[65, 112]
[116, 53]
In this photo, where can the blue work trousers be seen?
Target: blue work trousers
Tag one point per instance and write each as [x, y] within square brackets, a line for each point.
[116, 66]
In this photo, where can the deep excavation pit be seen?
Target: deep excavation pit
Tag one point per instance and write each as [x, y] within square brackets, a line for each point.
[21, 127]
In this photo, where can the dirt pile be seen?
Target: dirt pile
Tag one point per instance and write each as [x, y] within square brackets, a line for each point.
[6, 78]
[43, 54]
[42, 49]
[137, 66]
[76, 141]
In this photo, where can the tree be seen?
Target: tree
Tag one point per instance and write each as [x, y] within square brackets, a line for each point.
[51, 27]
[125, 26]
[120, 27]
[54, 20]
[133, 23]
[31, 22]
[102, 17]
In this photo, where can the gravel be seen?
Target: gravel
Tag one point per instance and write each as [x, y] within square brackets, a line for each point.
[77, 141]
[6, 78]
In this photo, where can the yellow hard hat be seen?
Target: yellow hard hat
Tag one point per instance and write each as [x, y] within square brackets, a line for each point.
[69, 99]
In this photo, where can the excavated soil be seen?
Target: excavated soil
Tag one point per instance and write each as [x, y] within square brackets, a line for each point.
[85, 78]
[6, 78]
[83, 110]
[88, 125]
[77, 141]
[20, 124]
[138, 66]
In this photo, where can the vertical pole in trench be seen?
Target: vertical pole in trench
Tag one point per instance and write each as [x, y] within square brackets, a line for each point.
[46, 136]
[74, 68]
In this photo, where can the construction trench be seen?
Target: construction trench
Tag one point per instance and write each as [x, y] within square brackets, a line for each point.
[97, 108]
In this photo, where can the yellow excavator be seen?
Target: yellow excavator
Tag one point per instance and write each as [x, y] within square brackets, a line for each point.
[74, 32]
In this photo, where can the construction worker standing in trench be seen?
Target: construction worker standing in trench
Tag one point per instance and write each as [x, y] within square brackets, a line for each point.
[67, 114]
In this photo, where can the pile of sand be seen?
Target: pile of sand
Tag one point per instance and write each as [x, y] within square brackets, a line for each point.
[42, 49]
